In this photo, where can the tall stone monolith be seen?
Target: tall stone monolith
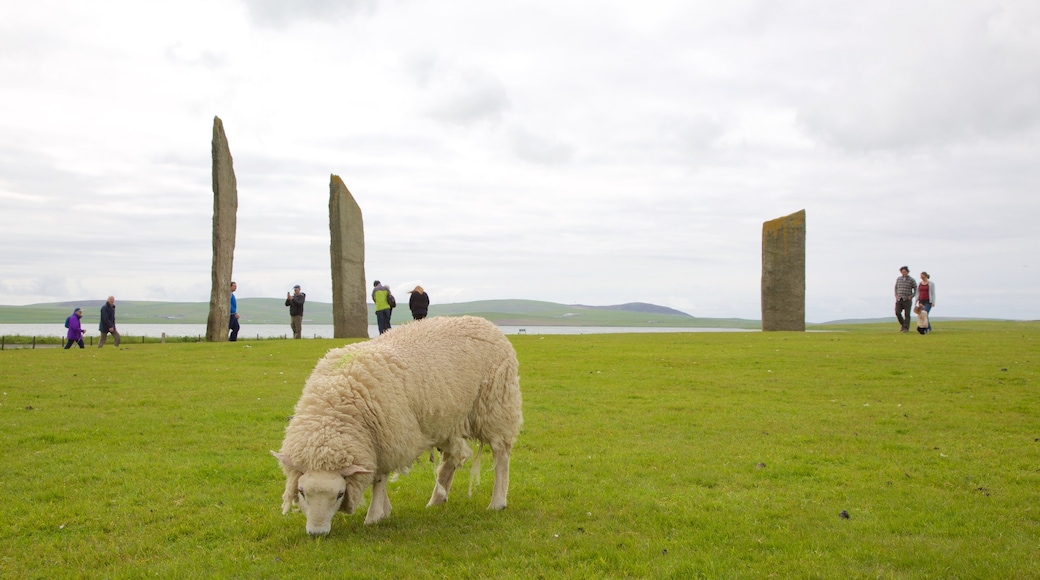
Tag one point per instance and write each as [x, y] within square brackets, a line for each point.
[783, 273]
[349, 299]
[225, 216]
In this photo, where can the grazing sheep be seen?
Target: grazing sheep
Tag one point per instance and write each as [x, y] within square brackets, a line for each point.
[371, 408]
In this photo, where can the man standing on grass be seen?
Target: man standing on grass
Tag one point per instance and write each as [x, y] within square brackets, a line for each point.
[381, 298]
[295, 304]
[233, 325]
[108, 322]
[906, 289]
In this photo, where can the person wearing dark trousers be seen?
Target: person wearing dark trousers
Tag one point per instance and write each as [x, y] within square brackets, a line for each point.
[381, 298]
[108, 322]
[418, 303]
[233, 325]
[75, 333]
[906, 289]
[926, 296]
[295, 303]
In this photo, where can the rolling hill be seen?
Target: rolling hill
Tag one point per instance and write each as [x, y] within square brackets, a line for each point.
[273, 311]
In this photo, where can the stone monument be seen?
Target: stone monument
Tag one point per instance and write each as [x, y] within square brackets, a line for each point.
[349, 297]
[783, 273]
[225, 210]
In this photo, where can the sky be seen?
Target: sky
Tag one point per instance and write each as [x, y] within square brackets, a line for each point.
[577, 152]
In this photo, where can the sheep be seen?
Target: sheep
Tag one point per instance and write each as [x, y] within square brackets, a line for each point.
[371, 408]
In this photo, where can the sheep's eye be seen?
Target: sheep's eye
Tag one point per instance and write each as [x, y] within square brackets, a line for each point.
[340, 496]
[300, 491]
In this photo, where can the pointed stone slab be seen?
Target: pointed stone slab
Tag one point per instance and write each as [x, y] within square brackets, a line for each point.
[783, 273]
[349, 297]
[225, 216]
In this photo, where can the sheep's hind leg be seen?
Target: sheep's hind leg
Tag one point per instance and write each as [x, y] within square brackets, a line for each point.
[501, 489]
[445, 475]
[380, 506]
[453, 453]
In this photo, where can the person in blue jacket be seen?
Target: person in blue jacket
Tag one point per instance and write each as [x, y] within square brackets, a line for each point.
[233, 325]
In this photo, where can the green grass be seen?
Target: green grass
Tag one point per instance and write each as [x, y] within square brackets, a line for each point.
[710, 455]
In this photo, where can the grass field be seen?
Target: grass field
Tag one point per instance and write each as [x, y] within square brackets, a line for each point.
[716, 455]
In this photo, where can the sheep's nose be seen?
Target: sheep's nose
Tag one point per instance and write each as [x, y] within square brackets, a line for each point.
[318, 532]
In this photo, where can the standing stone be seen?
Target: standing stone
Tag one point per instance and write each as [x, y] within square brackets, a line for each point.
[783, 273]
[225, 210]
[349, 300]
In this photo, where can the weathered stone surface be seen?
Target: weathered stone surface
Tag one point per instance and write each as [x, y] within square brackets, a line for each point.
[783, 273]
[225, 216]
[349, 297]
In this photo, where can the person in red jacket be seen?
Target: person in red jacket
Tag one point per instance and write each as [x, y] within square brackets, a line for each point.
[926, 296]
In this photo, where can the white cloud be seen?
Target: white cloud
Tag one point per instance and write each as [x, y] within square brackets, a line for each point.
[944, 73]
[278, 14]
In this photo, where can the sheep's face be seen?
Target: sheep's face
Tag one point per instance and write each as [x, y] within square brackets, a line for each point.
[320, 495]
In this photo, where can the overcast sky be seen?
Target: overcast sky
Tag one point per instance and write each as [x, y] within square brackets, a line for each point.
[577, 152]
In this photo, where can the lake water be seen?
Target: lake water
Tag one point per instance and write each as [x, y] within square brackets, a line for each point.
[320, 330]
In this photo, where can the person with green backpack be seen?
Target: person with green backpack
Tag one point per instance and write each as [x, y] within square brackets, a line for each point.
[385, 303]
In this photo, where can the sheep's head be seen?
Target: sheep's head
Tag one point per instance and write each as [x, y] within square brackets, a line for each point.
[320, 494]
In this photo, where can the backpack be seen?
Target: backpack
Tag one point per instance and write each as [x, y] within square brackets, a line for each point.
[390, 300]
[67, 321]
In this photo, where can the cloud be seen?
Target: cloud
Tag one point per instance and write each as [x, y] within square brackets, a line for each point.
[457, 93]
[539, 149]
[468, 98]
[184, 54]
[924, 85]
[283, 14]
[42, 288]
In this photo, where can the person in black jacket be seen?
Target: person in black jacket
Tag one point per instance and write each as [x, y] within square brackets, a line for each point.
[295, 303]
[418, 303]
[108, 322]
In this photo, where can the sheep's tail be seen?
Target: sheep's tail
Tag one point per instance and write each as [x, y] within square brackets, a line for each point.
[474, 470]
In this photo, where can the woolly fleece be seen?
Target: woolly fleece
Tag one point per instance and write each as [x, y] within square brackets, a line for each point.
[371, 408]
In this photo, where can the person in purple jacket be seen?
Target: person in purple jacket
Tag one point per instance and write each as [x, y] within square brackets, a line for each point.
[75, 333]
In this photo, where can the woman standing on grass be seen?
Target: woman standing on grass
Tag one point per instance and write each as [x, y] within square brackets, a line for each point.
[75, 333]
[418, 303]
[926, 296]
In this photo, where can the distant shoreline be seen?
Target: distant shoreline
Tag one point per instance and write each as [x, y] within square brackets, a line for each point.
[502, 312]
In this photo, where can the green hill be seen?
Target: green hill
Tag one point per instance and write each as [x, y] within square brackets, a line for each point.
[273, 311]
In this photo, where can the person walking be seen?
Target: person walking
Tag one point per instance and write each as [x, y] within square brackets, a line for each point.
[926, 296]
[295, 303]
[75, 333]
[233, 325]
[418, 303]
[108, 322]
[382, 297]
[906, 289]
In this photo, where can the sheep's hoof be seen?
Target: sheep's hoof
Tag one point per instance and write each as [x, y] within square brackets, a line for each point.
[437, 500]
[440, 495]
[373, 520]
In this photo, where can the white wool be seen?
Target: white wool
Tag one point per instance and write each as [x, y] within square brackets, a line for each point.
[373, 407]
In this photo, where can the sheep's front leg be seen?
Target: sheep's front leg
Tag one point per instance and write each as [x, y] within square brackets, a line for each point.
[498, 494]
[380, 506]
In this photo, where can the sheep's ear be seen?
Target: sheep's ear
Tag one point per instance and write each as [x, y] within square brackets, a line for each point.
[286, 461]
[292, 486]
[353, 470]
